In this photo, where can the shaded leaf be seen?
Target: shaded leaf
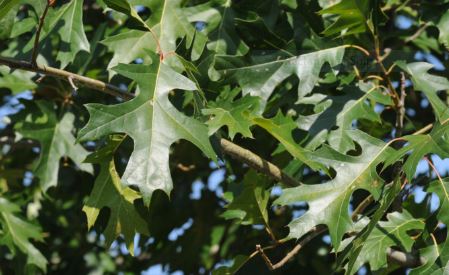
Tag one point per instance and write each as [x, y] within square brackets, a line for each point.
[443, 26]
[281, 127]
[352, 17]
[56, 139]
[16, 81]
[250, 206]
[261, 79]
[340, 111]
[7, 22]
[385, 234]
[16, 233]
[420, 146]
[238, 262]
[68, 22]
[6, 6]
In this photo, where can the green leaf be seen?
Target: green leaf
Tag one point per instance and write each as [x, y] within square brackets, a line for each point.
[68, 22]
[438, 262]
[224, 39]
[443, 26]
[219, 17]
[429, 85]
[340, 111]
[167, 22]
[6, 6]
[72, 34]
[124, 7]
[129, 46]
[430, 254]
[15, 234]
[441, 189]
[329, 202]
[250, 206]
[152, 122]
[385, 235]
[7, 23]
[16, 81]
[236, 115]
[354, 248]
[261, 79]
[56, 139]
[438, 266]
[352, 17]
[109, 192]
[420, 146]
[281, 127]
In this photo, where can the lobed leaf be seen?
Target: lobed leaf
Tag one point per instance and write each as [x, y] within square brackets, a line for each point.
[152, 122]
[57, 141]
[328, 202]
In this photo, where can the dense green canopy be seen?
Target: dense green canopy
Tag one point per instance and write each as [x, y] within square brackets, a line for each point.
[248, 137]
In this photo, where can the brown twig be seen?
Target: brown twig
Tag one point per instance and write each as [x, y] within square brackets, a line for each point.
[38, 34]
[400, 112]
[317, 230]
[435, 170]
[362, 206]
[417, 33]
[379, 60]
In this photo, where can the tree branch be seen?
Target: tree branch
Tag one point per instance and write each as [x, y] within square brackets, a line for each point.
[65, 75]
[404, 259]
[254, 161]
[38, 33]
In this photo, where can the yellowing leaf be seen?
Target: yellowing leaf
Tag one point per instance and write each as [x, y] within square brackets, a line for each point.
[109, 192]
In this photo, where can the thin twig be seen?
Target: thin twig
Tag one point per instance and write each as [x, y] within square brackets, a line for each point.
[362, 206]
[424, 129]
[400, 112]
[38, 34]
[435, 170]
[70, 79]
[317, 230]
[379, 60]
[417, 33]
